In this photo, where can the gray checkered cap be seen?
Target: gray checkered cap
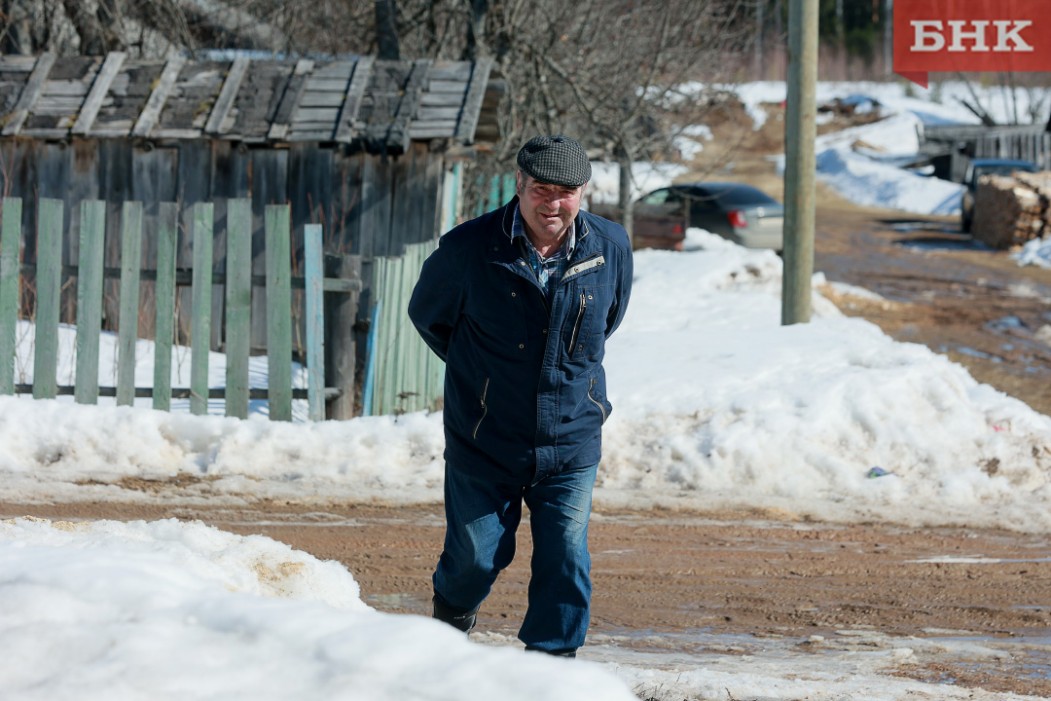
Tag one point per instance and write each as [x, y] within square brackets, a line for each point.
[558, 160]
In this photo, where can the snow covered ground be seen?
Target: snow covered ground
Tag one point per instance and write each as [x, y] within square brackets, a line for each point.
[715, 404]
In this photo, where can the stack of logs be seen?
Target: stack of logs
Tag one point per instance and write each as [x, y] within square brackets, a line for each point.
[1010, 210]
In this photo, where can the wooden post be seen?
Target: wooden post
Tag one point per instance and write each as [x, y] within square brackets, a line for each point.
[315, 320]
[48, 292]
[10, 241]
[128, 332]
[278, 311]
[238, 305]
[164, 292]
[89, 299]
[201, 323]
[341, 309]
[800, 162]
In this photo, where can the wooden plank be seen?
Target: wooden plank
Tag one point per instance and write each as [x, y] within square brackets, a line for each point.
[10, 241]
[334, 70]
[67, 88]
[57, 106]
[299, 136]
[451, 70]
[336, 84]
[269, 184]
[397, 133]
[176, 134]
[164, 292]
[201, 322]
[238, 304]
[442, 99]
[225, 102]
[472, 106]
[19, 64]
[89, 299]
[48, 294]
[282, 122]
[324, 115]
[116, 128]
[151, 113]
[45, 134]
[455, 87]
[33, 87]
[128, 331]
[99, 90]
[432, 130]
[330, 100]
[313, 260]
[341, 311]
[278, 311]
[113, 158]
[438, 114]
[352, 102]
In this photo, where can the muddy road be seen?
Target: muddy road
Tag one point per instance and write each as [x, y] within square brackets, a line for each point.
[712, 584]
[940, 289]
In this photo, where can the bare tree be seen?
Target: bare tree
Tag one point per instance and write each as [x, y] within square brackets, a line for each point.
[613, 71]
[387, 30]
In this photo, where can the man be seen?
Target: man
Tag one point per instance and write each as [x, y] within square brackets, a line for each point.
[519, 303]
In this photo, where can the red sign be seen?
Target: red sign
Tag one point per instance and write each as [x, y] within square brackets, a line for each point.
[970, 35]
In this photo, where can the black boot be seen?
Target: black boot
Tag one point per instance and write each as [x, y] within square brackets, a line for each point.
[567, 652]
[457, 618]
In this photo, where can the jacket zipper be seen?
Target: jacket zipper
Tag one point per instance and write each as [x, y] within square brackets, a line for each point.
[596, 402]
[485, 409]
[576, 326]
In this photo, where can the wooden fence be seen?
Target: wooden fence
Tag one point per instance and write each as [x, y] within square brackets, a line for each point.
[401, 373]
[330, 305]
[952, 146]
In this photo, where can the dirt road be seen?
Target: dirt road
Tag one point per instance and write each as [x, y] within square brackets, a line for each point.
[939, 288]
[666, 575]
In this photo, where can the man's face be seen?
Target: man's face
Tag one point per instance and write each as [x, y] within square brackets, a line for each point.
[548, 210]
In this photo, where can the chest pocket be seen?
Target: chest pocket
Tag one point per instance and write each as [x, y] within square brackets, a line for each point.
[588, 302]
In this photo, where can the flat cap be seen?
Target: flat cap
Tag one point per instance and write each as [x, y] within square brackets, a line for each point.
[558, 160]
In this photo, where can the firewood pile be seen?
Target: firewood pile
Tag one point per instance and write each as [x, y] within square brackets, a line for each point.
[1010, 210]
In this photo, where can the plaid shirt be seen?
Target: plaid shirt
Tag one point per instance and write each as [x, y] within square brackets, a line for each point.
[548, 270]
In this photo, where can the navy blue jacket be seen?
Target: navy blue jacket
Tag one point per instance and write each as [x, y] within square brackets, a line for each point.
[525, 392]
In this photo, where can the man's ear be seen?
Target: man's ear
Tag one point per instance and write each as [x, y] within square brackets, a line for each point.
[518, 183]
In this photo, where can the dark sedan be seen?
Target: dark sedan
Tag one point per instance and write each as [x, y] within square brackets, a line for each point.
[738, 212]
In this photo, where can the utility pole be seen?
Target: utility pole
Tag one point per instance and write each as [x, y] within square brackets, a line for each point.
[800, 133]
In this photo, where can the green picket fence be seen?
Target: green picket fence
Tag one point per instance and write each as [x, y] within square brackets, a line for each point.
[238, 281]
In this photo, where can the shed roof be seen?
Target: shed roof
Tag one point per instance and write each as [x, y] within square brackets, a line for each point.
[379, 105]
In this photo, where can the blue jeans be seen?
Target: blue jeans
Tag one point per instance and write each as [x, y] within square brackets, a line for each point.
[481, 520]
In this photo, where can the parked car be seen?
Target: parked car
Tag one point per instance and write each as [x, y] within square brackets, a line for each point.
[985, 166]
[741, 213]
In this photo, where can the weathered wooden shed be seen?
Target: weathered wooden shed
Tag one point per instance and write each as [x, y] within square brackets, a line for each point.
[358, 145]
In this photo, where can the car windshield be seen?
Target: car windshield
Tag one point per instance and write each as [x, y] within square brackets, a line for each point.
[998, 170]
